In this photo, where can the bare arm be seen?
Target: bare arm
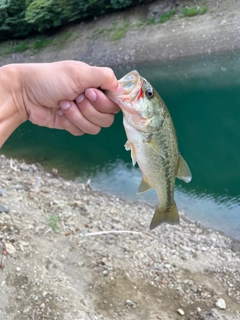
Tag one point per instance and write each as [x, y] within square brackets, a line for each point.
[63, 95]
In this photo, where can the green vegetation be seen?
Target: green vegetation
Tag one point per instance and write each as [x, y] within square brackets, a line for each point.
[167, 16]
[19, 18]
[150, 21]
[203, 10]
[120, 31]
[41, 43]
[193, 11]
[17, 47]
[53, 222]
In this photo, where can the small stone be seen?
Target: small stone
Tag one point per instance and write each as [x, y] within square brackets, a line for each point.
[10, 248]
[18, 269]
[105, 273]
[221, 304]
[3, 209]
[181, 312]
[2, 191]
[130, 303]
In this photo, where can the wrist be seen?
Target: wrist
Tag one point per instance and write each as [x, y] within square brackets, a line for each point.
[12, 109]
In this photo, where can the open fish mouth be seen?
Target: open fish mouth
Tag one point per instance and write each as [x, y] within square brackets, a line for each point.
[131, 84]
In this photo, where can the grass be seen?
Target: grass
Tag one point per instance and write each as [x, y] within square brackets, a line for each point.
[41, 43]
[150, 21]
[193, 11]
[203, 10]
[53, 222]
[167, 16]
[17, 47]
[120, 31]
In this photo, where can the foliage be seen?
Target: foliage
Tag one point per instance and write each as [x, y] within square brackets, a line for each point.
[19, 18]
[12, 19]
[167, 16]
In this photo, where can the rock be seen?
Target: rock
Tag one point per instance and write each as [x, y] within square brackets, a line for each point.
[181, 312]
[221, 304]
[2, 191]
[130, 303]
[10, 248]
[212, 315]
[3, 209]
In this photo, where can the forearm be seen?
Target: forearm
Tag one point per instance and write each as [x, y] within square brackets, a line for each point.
[11, 102]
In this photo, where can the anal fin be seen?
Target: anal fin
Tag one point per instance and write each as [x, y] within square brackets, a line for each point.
[144, 186]
[170, 216]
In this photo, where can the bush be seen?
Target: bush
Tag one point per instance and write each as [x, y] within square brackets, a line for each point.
[19, 18]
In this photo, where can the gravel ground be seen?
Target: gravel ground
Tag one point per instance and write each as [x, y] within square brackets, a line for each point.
[69, 252]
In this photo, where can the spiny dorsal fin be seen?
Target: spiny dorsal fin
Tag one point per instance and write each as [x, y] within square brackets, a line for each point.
[170, 216]
[183, 172]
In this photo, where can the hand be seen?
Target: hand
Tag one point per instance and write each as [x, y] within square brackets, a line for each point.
[66, 95]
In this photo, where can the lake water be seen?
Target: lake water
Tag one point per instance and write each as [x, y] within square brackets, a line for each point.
[203, 98]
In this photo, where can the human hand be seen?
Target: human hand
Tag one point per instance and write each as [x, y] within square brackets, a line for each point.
[66, 95]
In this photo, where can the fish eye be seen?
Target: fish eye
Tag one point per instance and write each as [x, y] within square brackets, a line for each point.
[149, 93]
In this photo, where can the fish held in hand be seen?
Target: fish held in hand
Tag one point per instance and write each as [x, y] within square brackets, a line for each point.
[152, 140]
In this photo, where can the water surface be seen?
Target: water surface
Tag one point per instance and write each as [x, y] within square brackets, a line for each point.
[203, 98]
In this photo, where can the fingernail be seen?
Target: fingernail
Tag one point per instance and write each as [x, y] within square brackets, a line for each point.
[60, 112]
[65, 105]
[91, 94]
[80, 98]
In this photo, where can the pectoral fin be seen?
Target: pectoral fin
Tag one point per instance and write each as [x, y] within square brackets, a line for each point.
[155, 146]
[144, 186]
[170, 216]
[129, 146]
[183, 172]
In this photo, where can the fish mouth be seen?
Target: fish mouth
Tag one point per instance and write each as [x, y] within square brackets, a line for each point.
[130, 84]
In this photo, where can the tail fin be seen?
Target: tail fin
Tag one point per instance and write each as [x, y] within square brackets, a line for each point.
[170, 216]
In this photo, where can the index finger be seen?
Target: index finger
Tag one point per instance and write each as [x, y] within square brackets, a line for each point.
[97, 77]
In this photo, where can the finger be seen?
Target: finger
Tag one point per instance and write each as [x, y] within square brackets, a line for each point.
[68, 125]
[97, 77]
[74, 115]
[100, 101]
[93, 115]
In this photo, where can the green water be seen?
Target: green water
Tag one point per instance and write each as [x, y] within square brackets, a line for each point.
[203, 98]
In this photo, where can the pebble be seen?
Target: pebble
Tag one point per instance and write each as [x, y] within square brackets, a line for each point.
[10, 248]
[3, 209]
[181, 312]
[130, 303]
[221, 304]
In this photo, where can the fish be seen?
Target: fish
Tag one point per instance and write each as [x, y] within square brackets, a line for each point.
[152, 140]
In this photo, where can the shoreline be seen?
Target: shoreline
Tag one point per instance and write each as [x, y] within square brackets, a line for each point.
[56, 246]
[216, 31]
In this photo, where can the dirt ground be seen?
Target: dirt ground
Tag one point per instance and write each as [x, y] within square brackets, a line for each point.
[69, 252]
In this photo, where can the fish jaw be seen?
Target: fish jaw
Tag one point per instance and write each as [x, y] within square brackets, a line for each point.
[131, 85]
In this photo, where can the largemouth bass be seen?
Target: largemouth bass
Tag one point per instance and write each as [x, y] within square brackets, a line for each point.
[153, 143]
